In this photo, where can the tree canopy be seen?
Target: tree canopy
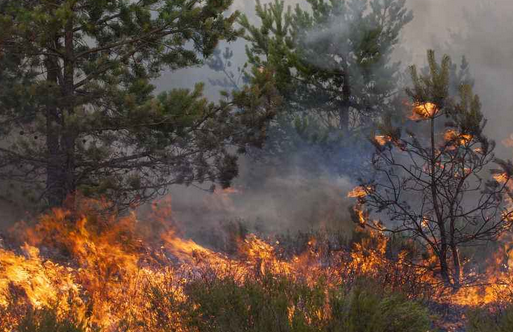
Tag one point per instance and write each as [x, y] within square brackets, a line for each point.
[333, 67]
[78, 110]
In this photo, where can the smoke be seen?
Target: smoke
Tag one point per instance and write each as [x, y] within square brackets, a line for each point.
[266, 202]
[480, 31]
[295, 198]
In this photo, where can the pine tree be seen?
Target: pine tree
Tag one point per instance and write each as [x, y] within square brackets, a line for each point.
[78, 111]
[430, 177]
[333, 66]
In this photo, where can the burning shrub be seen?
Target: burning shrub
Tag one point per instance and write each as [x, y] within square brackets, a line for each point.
[104, 271]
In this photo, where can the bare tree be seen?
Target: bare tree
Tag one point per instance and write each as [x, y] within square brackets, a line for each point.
[430, 178]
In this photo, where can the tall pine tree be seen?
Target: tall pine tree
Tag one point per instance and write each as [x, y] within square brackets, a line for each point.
[77, 108]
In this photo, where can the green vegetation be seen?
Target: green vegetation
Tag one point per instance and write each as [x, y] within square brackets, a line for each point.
[46, 320]
[78, 110]
[333, 68]
[272, 304]
[500, 320]
[277, 304]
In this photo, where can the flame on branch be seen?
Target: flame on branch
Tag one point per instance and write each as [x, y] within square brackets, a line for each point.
[359, 192]
[422, 111]
[433, 189]
[453, 135]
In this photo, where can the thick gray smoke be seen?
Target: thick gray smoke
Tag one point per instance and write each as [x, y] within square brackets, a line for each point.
[277, 204]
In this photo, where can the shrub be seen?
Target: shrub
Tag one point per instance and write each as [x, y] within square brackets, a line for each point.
[46, 320]
[486, 321]
[222, 305]
[278, 304]
[366, 309]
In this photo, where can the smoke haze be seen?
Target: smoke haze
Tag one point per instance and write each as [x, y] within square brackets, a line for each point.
[480, 30]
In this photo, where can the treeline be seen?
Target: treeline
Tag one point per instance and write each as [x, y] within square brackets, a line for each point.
[78, 111]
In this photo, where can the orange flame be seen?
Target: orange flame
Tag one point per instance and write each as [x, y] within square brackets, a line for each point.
[460, 139]
[423, 111]
[382, 139]
[358, 192]
[112, 263]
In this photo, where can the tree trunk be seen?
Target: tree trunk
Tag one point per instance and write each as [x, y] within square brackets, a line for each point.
[346, 101]
[54, 168]
[61, 132]
[457, 266]
[70, 132]
[444, 267]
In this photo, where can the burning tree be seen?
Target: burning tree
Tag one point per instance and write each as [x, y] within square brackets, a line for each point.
[430, 176]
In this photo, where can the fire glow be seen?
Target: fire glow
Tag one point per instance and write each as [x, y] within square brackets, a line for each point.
[452, 135]
[424, 111]
[113, 263]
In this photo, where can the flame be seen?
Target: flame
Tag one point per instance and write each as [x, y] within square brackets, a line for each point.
[501, 177]
[423, 111]
[101, 268]
[360, 213]
[382, 139]
[359, 192]
[452, 135]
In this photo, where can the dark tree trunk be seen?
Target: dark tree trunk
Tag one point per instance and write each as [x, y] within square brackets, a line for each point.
[70, 131]
[54, 172]
[444, 267]
[61, 133]
[457, 266]
[346, 101]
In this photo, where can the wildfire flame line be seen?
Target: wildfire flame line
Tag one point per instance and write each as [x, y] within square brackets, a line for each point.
[110, 271]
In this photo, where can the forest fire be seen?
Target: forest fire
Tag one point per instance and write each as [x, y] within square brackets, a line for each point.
[109, 271]
[137, 271]
[107, 107]
[104, 270]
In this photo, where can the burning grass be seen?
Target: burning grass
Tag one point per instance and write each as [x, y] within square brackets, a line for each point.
[101, 272]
